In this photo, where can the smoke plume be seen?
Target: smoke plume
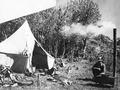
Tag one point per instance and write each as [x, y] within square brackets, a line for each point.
[105, 28]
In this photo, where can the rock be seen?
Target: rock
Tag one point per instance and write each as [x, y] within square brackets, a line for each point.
[14, 85]
[6, 85]
[67, 82]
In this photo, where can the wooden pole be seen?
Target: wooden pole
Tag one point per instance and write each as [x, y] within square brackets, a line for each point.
[114, 51]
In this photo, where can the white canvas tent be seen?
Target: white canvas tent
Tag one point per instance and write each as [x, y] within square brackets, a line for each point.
[23, 42]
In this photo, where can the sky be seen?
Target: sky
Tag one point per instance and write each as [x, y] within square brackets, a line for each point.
[110, 18]
[110, 11]
[11, 9]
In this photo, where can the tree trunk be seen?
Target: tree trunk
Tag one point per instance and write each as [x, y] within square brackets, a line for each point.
[4, 34]
[72, 52]
[64, 47]
[84, 47]
[50, 49]
[56, 49]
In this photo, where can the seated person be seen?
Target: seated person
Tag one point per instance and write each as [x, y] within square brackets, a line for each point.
[99, 68]
[99, 72]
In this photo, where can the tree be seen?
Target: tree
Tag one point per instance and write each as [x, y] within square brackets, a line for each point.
[87, 12]
[82, 11]
[48, 24]
[8, 28]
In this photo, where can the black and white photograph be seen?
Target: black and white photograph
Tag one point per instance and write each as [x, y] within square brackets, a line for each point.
[59, 45]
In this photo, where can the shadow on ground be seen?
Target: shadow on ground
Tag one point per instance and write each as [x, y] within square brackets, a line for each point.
[85, 79]
[97, 85]
[92, 83]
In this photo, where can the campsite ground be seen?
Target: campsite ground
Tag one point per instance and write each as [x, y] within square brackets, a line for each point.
[74, 76]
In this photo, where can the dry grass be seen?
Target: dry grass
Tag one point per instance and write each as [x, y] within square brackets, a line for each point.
[78, 74]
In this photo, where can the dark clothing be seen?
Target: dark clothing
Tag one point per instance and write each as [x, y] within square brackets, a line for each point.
[39, 59]
[99, 74]
[98, 68]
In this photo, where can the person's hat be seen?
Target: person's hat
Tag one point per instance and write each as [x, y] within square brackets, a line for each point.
[100, 59]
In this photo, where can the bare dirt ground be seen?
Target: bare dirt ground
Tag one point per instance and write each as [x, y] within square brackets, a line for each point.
[74, 76]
